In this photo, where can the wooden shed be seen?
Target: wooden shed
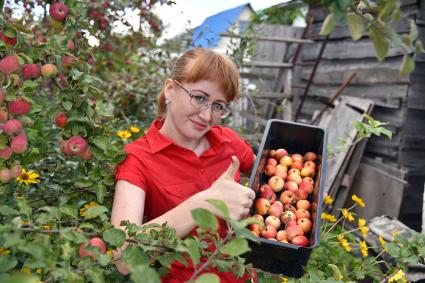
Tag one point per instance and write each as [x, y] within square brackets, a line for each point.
[398, 100]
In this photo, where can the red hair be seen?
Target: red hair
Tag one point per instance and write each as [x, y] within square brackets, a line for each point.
[203, 64]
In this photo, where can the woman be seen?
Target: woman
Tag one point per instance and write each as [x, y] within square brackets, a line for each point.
[185, 157]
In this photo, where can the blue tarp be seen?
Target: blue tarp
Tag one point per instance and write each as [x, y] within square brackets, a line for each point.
[208, 33]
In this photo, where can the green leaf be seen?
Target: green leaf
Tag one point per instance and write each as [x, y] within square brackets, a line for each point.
[115, 237]
[208, 278]
[67, 105]
[95, 211]
[193, 250]
[69, 210]
[73, 236]
[135, 256]
[205, 219]
[413, 32]
[101, 142]
[100, 193]
[10, 32]
[328, 25]
[419, 46]
[355, 25]
[336, 271]
[235, 247]
[29, 85]
[95, 275]
[3, 141]
[407, 66]
[144, 274]
[220, 206]
[380, 42]
[7, 210]
[7, 262]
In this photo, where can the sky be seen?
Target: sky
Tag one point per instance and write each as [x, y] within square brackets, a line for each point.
[191, 13]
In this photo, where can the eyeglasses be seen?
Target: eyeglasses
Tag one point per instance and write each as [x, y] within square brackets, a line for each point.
[200, 101]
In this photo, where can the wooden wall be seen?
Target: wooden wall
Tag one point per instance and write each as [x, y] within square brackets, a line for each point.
[398, 100]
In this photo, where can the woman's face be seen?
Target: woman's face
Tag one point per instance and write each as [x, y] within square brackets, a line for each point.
[188, 120]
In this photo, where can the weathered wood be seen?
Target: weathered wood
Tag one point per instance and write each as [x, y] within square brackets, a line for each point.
[368, 72]
[271, 38]
[339, 125]
[384, 95]
[376, 186]
[390, 153]
[347, 49]
[264, 64]
[395, 117]
[254, 75]
[265, 94]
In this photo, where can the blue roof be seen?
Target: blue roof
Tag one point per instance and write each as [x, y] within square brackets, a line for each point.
[208, 33]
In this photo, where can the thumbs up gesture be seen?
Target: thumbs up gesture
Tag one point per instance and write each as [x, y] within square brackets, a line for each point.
[238, 198]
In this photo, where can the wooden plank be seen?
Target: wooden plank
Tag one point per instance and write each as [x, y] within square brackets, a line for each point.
[383, 151]
[265, 94]
[339, 125]
[271, 38]
[347, 49]
[389, 96]
[382, 191]
[264, 64]
[368, 72]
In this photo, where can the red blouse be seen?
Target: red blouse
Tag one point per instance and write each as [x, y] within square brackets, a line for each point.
[169, 173]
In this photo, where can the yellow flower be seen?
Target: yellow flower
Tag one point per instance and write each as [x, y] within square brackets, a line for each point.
[26, 270]
[124, 134]
[328, 217]
[381, 240]
[284, 279]
[83, 210]
[39, 271]
[4, 251]
[20, 197]
[394, 234]
[134, 129]
[358, 200]
[46, 227]
[25, 222]
[398, 277]
[363, 248]
[347, 215]
[27, 178]
[344, 243]
[328, 200]
[362, 226]
[109, 252]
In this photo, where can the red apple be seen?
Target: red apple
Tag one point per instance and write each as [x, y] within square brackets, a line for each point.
[31, 71]
[305, 224]
[77, 145]
[297, 158]
[292, 231]
[19, 106]
[295, 178]
[94, 242]
[287, 197]
[272, 161]
[300, 240]
[19, 143]
[87, 154]
[309, 164]
[12, 127]
[303, 203]
[268, 232]
[58, 11]
[9, 64]
[70, 45]
[15, 171]
[291, 186]
[270, 170]
[301, 194]
[310, 156]
[4, 175]
[3, 115]
[289, 207]
[276, 209]
[302, 213]
[8, 40]
[269, 194]
[61, 120]
[280, 153]
[281, 171]
[294, 171]
[297, 165]
[306, 186]
[6, 153]
[262, 206]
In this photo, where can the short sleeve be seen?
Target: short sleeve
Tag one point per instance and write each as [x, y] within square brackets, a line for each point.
[243, 150]
[131, 170]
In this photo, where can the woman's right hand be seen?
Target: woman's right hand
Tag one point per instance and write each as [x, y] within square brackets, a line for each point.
[238, 198]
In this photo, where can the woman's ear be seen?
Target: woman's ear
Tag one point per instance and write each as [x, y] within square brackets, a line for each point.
[169, 89]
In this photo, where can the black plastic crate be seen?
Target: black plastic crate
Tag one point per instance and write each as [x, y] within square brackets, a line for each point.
[273, 256]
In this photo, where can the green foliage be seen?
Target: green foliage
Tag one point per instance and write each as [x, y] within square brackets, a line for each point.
[277, 15]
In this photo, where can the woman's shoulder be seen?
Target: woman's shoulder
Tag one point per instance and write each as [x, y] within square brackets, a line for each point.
[136, 147]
